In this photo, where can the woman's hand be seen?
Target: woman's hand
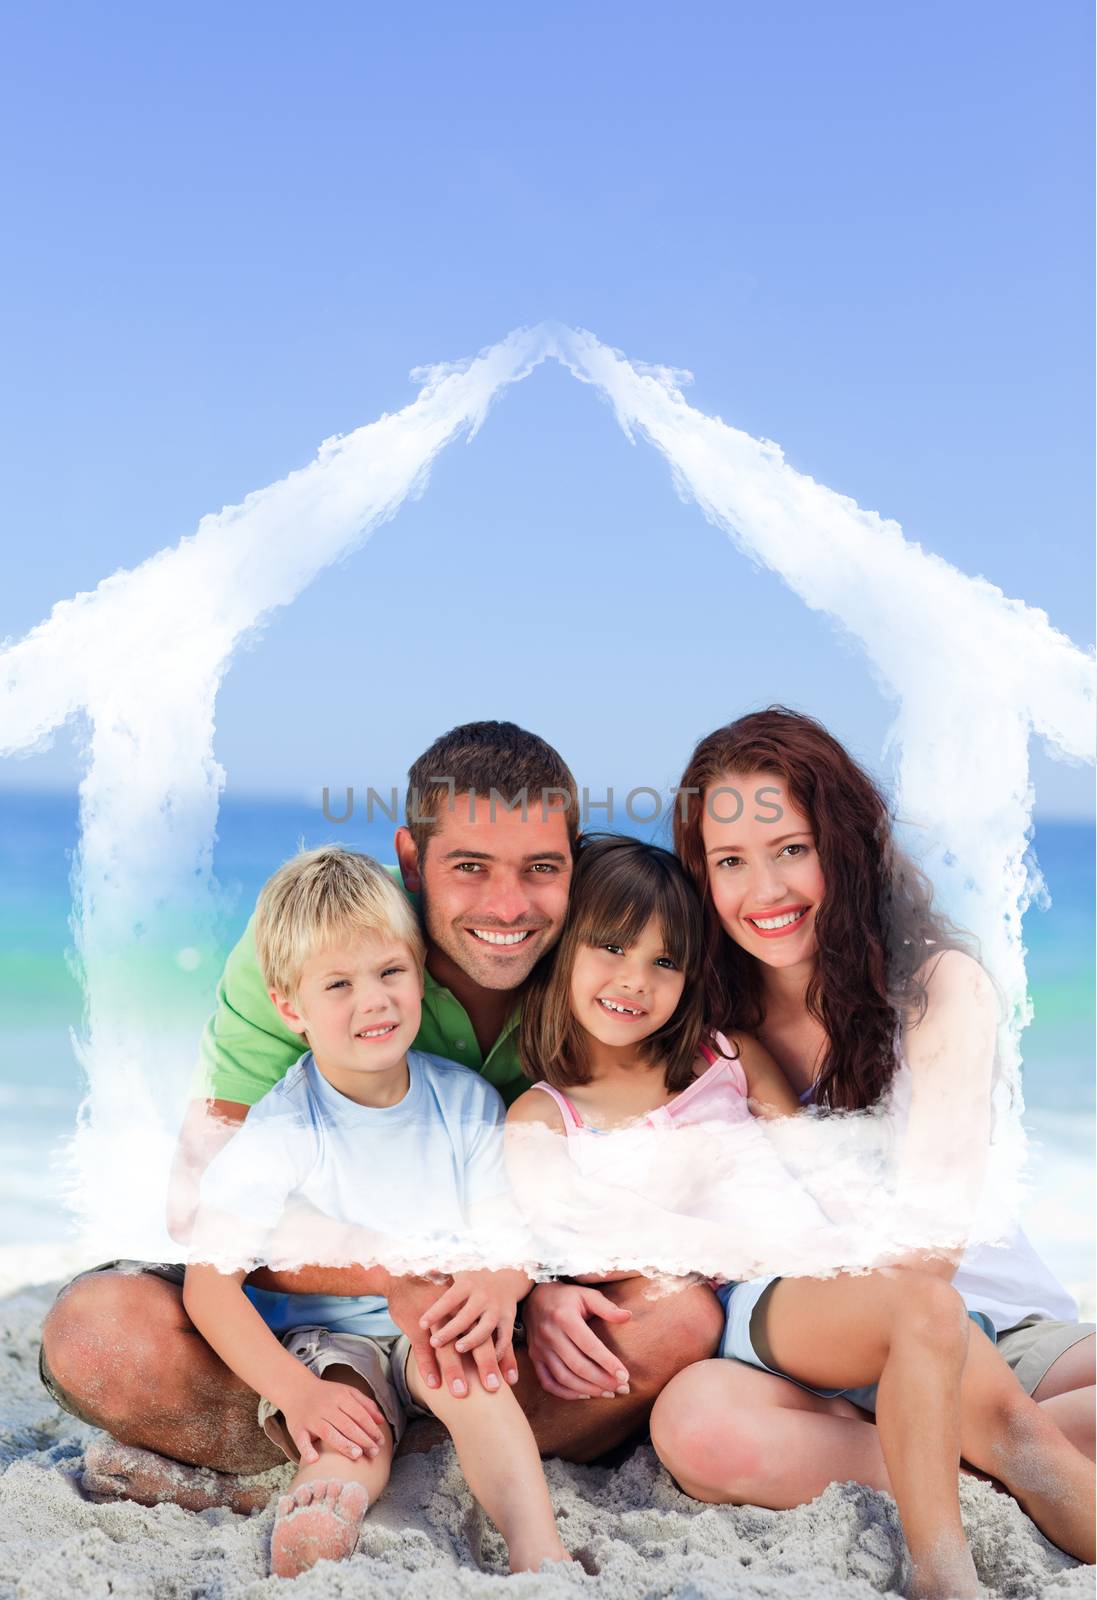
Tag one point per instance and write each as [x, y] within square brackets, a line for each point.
[333, 1414]
[476, 1314]
[570, 1360]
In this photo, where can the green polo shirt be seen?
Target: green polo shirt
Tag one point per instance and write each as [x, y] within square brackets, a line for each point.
[246, 1047]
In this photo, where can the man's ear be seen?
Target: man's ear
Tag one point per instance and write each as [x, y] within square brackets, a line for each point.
[407, 855]
[285, 1010]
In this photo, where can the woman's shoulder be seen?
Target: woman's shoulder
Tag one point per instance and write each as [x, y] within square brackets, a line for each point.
[952, 976]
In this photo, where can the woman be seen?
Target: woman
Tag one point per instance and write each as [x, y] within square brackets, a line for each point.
[823, 944]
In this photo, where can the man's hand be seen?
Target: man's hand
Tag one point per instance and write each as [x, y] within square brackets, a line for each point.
[476, 1315]
[570, 1361]
[335, 1414]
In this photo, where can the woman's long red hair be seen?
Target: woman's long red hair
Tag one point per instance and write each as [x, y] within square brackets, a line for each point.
[874, 927]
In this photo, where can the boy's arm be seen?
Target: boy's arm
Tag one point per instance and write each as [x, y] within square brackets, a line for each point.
[313, 1409]
[225, 1317]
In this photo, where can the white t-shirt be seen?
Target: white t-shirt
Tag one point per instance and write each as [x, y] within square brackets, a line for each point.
[1010, 1282]
[415, 1175]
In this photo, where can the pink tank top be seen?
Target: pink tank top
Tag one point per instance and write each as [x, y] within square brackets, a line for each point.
[719, 1094]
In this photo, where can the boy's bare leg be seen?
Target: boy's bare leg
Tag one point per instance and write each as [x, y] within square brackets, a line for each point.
[501, 1464]
[320, 1515]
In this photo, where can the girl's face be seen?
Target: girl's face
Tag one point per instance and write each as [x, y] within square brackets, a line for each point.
[763, 868]
[621, 996]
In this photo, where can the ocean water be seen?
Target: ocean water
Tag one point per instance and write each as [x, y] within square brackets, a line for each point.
[40, 1003]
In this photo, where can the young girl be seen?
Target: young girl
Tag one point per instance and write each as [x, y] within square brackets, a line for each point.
[613, 1035]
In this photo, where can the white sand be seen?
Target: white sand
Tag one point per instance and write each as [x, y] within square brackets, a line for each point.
[426, 1539]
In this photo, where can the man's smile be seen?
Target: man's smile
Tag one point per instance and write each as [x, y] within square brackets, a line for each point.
[500, 940]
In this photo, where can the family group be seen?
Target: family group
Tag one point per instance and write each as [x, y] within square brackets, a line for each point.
[390, 1047]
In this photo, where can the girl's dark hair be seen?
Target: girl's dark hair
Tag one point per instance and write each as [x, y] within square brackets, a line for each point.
[874, 926]
[617, 886]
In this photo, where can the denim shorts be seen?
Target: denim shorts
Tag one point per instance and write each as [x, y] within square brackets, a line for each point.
[740, 1301]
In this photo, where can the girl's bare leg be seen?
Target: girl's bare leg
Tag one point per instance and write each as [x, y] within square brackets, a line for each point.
[501, 1464]
[909, 1331]
[320, 1516]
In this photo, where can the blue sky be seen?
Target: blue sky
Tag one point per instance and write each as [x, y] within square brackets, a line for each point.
[233, 230]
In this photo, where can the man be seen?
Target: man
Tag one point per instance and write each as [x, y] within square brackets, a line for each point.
[491, 827]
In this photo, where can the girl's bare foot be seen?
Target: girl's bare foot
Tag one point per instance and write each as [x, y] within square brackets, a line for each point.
[949, 1575]
[114, 1471]
[318, 1521]
[527, 1557]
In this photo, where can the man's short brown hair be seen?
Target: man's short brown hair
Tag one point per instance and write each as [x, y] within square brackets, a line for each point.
[489, 759]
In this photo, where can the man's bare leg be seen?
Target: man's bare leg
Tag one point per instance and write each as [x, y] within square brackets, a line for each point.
[122, 1347]
[666, 1333]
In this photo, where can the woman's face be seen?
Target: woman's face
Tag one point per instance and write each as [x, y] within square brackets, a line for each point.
[763, 867]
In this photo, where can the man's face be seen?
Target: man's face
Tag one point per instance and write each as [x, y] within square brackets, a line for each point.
[494, 886]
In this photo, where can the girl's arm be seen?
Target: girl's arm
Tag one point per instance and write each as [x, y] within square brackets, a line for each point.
[768, 1087]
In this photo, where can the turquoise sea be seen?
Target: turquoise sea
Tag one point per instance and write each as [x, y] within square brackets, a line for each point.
[40, 1002]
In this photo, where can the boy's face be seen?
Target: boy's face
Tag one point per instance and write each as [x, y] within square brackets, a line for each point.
[494, 887]
[358, 1004]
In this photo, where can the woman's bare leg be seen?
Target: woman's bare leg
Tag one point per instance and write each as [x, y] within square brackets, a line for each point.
[1009, 1435]
[1067, 1394]
[732, 1434]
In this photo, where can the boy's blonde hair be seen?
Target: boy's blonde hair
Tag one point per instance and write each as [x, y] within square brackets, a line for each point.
[319, 897]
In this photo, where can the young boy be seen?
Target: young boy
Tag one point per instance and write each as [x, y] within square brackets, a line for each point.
[364, 1146]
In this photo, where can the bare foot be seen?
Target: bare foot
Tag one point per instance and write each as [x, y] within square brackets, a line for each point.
[319, 1521]
[114, 1471]
[529, 1558]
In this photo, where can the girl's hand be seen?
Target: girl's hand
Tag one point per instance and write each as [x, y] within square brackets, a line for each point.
[337, 1416]
[477, 1314]
[570, 1360]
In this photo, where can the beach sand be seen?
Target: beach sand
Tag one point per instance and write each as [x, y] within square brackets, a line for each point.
[639, 1538]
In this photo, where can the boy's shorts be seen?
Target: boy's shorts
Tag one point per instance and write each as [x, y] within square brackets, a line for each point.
[381, 1361]
[1029, 1348]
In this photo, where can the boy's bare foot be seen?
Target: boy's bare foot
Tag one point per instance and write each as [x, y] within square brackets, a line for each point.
[114, 1471]
[318, 1521]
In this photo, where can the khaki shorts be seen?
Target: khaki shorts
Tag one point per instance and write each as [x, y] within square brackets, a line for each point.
[1034, 1345]
[381, 1361]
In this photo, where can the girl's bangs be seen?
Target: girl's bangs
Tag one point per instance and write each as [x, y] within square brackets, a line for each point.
[621, 917]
